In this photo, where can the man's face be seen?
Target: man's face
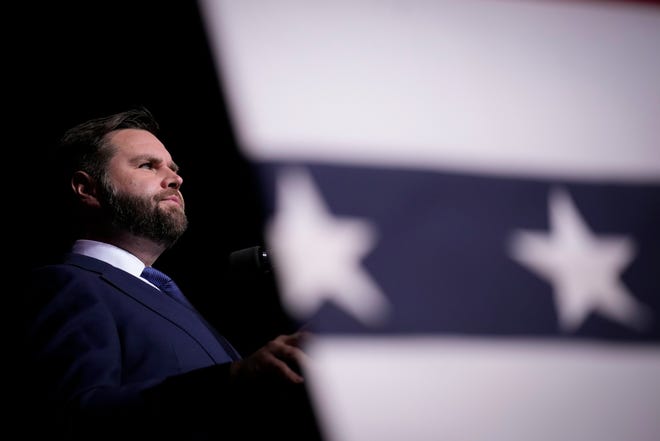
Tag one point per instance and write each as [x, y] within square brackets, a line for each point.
[140, 190]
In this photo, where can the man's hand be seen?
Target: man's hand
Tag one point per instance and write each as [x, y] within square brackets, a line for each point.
[281, 357]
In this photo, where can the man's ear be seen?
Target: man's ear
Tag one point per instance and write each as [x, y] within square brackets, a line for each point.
[85, 188]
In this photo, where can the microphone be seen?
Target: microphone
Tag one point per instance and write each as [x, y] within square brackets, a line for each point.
[255, 265]
[252, 260]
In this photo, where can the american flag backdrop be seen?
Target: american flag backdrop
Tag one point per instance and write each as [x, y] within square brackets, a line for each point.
[463, 204]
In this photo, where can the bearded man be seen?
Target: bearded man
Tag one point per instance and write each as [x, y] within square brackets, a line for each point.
[111, 353]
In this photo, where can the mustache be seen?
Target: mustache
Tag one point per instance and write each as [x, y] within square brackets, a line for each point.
[169, 194]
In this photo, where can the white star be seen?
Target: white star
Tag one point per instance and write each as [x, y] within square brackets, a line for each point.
[583, 269]
[318, 256]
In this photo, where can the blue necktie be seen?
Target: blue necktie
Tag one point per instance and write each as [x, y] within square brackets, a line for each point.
[165, 284]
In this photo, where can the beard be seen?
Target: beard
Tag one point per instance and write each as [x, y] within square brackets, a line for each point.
[143, 216]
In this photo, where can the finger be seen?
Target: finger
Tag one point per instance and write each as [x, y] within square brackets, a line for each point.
[289, 352]
[287, 371]
[296, 356]
[295, 339]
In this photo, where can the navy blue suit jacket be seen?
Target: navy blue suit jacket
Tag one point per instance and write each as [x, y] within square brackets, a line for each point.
[110, 354]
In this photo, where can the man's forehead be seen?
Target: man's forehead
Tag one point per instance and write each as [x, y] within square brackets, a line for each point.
[138, 144]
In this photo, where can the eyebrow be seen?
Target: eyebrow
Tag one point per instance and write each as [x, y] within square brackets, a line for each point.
[149, 158]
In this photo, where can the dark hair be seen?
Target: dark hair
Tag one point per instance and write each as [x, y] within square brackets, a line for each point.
[85, 146]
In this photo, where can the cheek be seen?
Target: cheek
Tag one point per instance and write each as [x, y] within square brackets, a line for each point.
[139, 190]
[140, 186]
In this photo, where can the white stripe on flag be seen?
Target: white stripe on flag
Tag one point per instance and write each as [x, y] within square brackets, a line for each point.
[430, 388]
[535, 88]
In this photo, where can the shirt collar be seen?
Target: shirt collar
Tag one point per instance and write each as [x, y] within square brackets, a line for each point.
[110, 254]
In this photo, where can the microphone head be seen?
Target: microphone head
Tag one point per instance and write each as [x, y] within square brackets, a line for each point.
[252, 260]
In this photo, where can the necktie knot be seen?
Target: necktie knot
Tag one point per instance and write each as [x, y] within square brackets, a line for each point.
[164, 283]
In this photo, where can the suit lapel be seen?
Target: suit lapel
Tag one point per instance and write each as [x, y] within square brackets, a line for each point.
[186, 318]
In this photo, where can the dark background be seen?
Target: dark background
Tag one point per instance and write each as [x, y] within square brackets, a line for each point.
[75, 61]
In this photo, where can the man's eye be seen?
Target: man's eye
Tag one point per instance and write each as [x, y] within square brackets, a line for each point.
[148, 165]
